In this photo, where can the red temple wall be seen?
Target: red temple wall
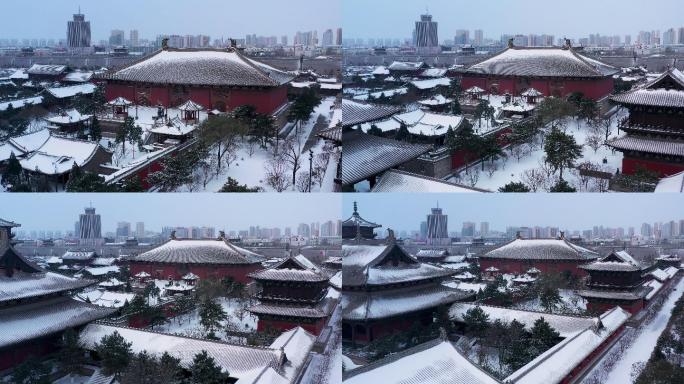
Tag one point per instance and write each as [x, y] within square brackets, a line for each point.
[285, 325]
[17, 354]
[570, 377]
[631, 164]
[521, 266]
[603, 306]
[266, 100]
[594, 89]
[176, 271]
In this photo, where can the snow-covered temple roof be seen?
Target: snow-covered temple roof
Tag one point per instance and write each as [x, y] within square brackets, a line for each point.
[380, 304]
[435, 100]
[565, 325]
[72, 90]
[649, 145]
[401, 181]
[434, 72]
[120, 102]
[356, 220]
[406, 66]
[193, 251]
[21, 103]
[531, 92]
[419, 122]
[368, 155]
[25, 322]
[386, 264]
[615, 261]
[174, 127]
[665, 91]
[266, 375]
[71, 116]
[557, 362]
[24, 285]
[431, 83]
[58, 154]
[78, 255]
[541, 249]
[674, 183]
[78, 76]
[436, 361]
[356, 112]
[542, 62]
[226, 67]
[107, 299]
[46, 69]
[190, 106]
[294, 268]
[237, 360]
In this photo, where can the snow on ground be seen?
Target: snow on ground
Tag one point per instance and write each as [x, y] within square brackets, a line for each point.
[188, 324]
[641, 348]
[511, 169]
[251, 170]
[571, 303]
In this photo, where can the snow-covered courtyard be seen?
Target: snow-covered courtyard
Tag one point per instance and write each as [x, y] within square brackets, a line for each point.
[524, 163]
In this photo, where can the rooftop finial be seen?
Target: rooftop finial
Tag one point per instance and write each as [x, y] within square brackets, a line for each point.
[165, 43]
[222, 235]
[390, 235]
[510, 43]
[173, 235]
[356, 210]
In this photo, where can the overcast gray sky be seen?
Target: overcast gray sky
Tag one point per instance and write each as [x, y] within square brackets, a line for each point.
[576, 211]
[234, 211]
[48, 19]
[575, 18]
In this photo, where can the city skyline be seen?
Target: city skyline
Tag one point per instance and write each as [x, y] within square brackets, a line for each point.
[59, 212]
[572, 212]
[508, 17]
[183, 18]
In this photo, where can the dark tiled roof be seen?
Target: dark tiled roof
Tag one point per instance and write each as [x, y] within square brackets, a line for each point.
[30, 321]
[541, 249]
[192, 251]
[665, 91]
[367, 155]
[436, 361]
[286, 310]
[373, 265]
[369, 305]
[332, 134]
[616, 295]
[296, 268]
[542, 62]
[356, 112]
[396, 180]
[7, 223]
[200, 67]
[648, 145]
[24, 285]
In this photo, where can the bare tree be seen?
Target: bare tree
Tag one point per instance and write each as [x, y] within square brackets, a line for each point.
[291, 152]
[276, 174]
[534, 178]
[302, 184]
[473, 177]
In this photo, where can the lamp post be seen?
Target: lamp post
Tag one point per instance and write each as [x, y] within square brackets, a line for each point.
[310, 167]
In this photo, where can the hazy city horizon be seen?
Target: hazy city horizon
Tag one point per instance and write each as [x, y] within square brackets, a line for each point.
[565, 212]
[501, 19]
[58, 212]
[183, 18]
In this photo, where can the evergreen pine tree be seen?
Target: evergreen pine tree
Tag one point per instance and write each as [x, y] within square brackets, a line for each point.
[95, 130]
[205, 371]
[211, 315]
[115, 353]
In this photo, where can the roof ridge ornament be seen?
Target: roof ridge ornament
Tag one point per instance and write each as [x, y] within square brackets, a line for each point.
[510, 43]
[165, 44]
[173, 235]
[390, 236]
[568, 44]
